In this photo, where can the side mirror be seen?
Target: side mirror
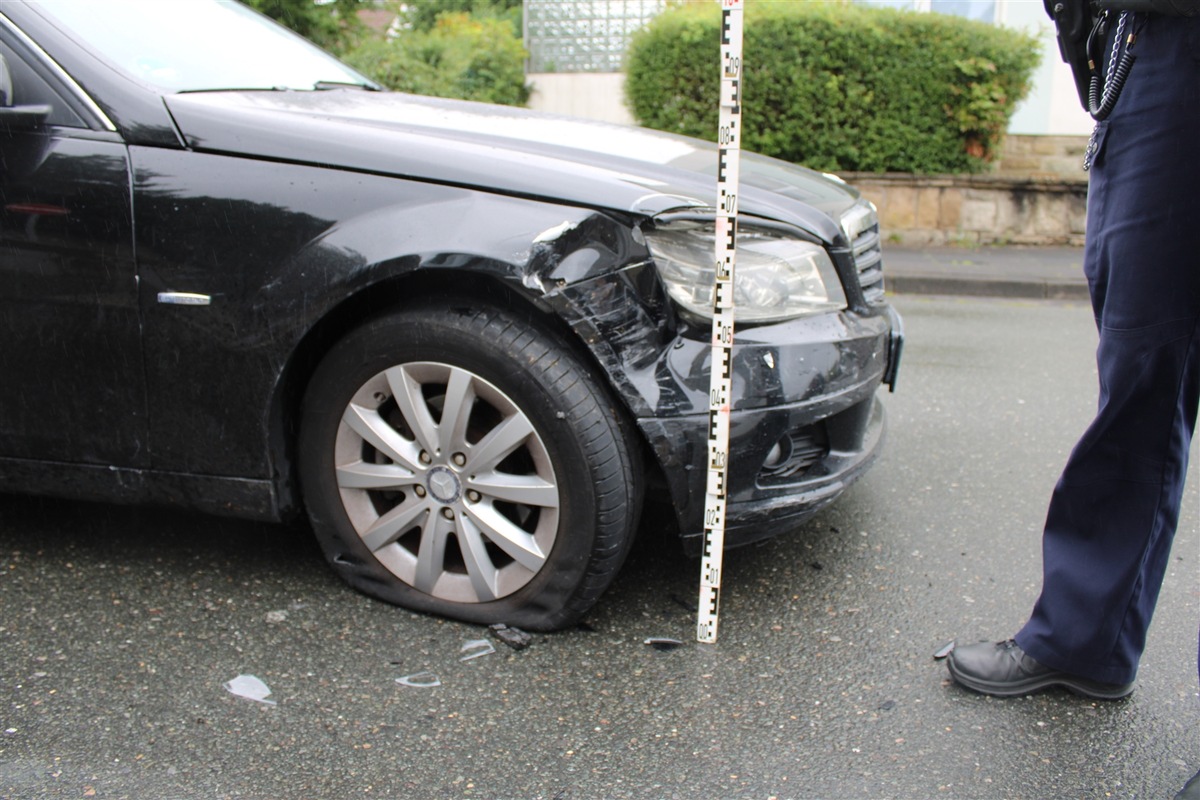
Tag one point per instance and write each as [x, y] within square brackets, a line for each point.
[17, 118]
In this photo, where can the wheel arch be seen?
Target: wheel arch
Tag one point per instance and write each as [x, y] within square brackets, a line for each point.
[389, 295]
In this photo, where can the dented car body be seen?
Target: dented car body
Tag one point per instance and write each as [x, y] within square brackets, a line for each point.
[462, 339]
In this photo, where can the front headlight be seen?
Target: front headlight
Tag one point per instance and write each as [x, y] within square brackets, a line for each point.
[775, 278]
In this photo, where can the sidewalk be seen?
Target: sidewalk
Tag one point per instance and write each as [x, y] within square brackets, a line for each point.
[1000, 271]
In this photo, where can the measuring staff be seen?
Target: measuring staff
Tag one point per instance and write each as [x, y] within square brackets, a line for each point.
[720, 393]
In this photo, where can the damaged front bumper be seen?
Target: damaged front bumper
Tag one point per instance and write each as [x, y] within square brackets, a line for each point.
[806, 421]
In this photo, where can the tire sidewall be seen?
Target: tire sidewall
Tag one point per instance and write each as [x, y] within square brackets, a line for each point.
[457, 336]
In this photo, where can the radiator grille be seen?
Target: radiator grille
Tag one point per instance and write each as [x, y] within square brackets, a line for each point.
[861, 226]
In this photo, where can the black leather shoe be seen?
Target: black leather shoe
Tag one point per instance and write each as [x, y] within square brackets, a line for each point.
[1002, 669]
[1190, 790]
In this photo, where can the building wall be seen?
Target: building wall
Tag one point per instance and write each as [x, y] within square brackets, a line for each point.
[594, 95]
[1052, 107]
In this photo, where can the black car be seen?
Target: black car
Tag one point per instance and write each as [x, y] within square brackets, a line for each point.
[468, 342]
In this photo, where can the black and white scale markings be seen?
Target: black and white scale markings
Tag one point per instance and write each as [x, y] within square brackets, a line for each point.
[721, 379]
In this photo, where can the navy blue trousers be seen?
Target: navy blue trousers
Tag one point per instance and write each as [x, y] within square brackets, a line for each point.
[1112, 516]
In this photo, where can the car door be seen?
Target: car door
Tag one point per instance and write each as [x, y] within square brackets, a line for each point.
[72, 387]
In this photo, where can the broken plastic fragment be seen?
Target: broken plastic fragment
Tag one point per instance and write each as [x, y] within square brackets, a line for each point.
[420, 680]
[251, 688]
[515, 638]
[662, 643]
[476, 648]
[945, 650]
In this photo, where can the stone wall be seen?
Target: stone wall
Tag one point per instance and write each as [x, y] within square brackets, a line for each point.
[1029, 156]
[1036, 194]
[976, 209]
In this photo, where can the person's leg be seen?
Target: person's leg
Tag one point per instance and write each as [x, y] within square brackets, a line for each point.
[1112, 516]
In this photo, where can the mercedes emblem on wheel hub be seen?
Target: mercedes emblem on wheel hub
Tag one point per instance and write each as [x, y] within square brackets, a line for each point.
[444, 485]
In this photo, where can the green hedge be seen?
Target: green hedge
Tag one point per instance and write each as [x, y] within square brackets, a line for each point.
[460, 56]
[837, 86]
[333, 25]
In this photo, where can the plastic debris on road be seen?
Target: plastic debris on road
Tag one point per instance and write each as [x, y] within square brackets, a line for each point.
[515, 638]
[251, 688]
[945, 650]
[475, 648]
[420, 680]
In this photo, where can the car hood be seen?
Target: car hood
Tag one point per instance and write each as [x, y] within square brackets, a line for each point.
[502, 149]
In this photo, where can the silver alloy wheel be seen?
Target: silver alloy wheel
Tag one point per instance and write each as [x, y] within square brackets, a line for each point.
[446, 481]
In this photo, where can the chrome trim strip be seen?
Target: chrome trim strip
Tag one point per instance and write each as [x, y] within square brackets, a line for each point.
[858, 218]
[184, 299]
[62, 75]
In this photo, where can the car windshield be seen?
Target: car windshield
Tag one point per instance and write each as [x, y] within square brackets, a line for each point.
[199, 45]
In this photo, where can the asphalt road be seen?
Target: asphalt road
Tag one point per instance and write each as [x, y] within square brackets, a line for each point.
[120, 627]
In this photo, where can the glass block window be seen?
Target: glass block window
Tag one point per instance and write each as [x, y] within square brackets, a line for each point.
[583, 35]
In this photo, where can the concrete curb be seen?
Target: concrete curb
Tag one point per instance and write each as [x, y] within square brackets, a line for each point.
[1041, 273]
[985, 287]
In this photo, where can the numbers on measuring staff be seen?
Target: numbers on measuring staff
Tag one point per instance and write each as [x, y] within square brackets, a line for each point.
[733, 66]
[727, 134]
[729, 203]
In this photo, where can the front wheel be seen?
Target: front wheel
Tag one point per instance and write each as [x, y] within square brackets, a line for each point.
[463, 462]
